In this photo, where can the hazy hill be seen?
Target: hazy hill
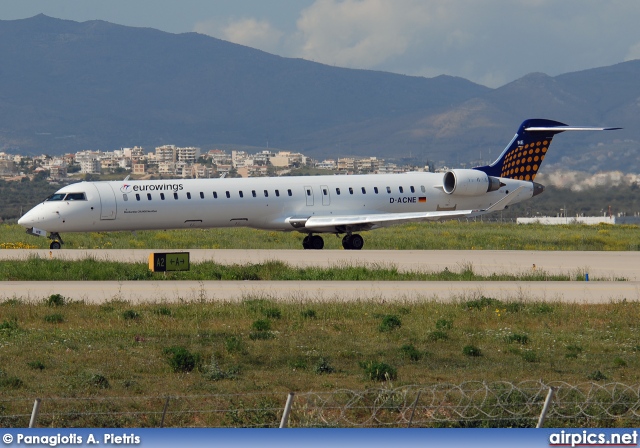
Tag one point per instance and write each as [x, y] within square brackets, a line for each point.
[68, 86]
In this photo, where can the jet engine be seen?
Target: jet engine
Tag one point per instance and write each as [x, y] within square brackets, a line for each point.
[469, 182]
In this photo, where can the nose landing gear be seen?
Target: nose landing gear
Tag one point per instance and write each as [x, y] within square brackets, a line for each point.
[56, 242]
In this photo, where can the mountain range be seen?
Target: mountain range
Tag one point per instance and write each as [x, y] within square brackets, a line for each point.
[67, 86]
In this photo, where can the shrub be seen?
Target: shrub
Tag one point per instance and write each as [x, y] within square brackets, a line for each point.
[55, 300]
[233, 344]
[261, 335]
[10, 382]
[390, 322]
[98, 380]
[482, 303]
[379, 371]
[214, 372]
[261, 325]
[54, 318]
[471, 350]
[596, 375]
[530, 356]
[181, 359]
[9, 326]
[409, 351]
[619, 362]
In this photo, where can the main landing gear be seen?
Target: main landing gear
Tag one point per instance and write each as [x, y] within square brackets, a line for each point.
[351, 241]
[56, 242]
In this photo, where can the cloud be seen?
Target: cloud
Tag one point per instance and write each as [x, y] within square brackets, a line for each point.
[248, 31]
[634, 52]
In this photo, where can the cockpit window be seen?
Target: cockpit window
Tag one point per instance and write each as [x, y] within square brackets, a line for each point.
[75, 197]
[56, 197]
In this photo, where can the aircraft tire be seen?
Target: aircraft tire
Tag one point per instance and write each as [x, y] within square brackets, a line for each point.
[55, 245]
[316, 242]
[356, 242]
[346, 242]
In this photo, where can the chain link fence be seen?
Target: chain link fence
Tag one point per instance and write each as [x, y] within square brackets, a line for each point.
[469, 404]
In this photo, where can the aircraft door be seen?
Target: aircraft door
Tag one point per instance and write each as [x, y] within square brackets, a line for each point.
[107, 200]
[308, 193]
[326, 197]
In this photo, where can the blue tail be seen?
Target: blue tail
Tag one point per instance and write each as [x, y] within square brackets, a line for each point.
[522, 157]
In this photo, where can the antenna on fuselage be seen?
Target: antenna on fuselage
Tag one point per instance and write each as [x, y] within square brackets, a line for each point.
[127, 178]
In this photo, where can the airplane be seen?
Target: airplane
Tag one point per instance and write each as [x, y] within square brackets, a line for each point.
[340, 205]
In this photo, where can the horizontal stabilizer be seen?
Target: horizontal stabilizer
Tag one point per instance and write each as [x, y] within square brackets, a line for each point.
[566, 128]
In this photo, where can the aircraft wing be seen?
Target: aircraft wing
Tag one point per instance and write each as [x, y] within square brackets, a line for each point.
[367, 222]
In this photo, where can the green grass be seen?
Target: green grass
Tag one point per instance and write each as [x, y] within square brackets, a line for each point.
[200, 348]
[420, 236]
[54, 269]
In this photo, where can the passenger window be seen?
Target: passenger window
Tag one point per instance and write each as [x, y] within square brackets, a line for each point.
[201, 195]
[401, 189]
[389, 190]
[375, 190]
[278, 193]
[308, 192]
[162, 196]
[350, 190]
[215, 195]
[338, 191]
[253, 193]
[324, 191]
[422, 188]
[289, 192]
[137, 197]
[364, 191]
[125, 197]
[149, 196]
[413, 190]
[241, 193]
[266, 194]
[188, 195]
[175, 196]
[228, 195]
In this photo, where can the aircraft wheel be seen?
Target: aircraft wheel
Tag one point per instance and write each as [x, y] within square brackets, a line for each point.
[356, 242]
[306, 242]
[316, 242]
[346, 242]
[55, 245]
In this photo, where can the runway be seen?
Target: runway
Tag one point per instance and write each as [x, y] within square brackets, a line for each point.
[607, 266]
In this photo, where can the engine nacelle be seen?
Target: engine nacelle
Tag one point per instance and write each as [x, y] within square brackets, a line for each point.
[469, 182]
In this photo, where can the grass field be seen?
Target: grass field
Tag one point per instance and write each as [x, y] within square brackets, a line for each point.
[424, 236]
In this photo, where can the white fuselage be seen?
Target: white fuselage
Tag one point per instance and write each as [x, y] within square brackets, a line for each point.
[262, 203]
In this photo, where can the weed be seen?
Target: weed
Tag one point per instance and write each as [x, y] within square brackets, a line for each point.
[379, 371]
[213, 371]
[530, 356]
[322, 366]
[10, 382]
[56, 318]
[437, 335]
[619, 362]
[261, 325]
[181, 359]
[444, 324]
[131, 315]
[234, 344]
[272, 313]
[522, 339]
[55, 300]
[409, 351]
[596, 375]
[573, 351]
[36, 365]
[261, 335]
[390, 322]
[9, 326]
[97, 380]
[308, 313]
[541, 308]
[162, 311]
[482, 303]
[471, 350]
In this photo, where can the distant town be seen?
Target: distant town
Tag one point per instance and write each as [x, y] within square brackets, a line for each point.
[185, 162]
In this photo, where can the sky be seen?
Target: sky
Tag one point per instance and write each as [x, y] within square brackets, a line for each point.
[490, 42]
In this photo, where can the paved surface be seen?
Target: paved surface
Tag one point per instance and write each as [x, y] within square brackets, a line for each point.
[604, 265]
[173, 291]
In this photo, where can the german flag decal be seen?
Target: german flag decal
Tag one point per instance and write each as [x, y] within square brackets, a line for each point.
[422, 199]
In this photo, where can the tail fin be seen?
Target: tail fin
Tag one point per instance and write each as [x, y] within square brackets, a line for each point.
[522, 157]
